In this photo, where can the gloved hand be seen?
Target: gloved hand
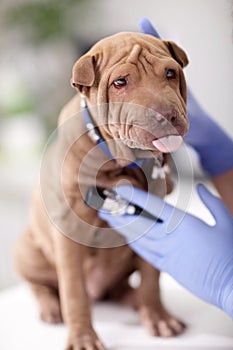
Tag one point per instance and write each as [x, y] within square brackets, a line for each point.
[198, 256]
[214, 146]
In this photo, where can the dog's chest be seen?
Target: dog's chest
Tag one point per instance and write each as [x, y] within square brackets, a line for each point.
[96, 170]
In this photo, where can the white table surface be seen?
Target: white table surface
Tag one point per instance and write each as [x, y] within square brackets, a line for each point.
[120, 329]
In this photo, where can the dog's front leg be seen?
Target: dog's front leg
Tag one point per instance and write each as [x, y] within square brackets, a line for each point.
[154, 316]
[75, 303]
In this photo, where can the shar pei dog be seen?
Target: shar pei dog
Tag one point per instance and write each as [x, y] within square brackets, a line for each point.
[128, 114]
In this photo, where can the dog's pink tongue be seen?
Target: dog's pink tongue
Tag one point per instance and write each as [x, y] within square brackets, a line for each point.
[168, 144]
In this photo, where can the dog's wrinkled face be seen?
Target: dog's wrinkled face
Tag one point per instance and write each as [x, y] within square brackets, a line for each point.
[139, 82]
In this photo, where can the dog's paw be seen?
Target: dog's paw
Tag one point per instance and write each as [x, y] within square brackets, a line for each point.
[85, 341]
[50, 310]
[161, 323]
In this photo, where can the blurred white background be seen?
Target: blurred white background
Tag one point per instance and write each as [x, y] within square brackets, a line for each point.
[35, 69]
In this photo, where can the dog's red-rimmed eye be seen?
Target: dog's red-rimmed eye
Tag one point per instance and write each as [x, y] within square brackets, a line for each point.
[171, 74]
[119, 83]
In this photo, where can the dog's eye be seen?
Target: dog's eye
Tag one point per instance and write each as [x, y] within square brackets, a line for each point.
[120, 82]
[171, 74]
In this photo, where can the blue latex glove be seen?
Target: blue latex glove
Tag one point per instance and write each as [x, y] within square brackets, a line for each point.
[198, 256]
[214, 146]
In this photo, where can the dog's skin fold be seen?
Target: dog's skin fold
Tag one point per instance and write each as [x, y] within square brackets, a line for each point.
[135, 91]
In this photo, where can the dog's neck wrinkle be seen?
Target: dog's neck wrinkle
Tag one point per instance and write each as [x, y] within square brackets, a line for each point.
[84, 103]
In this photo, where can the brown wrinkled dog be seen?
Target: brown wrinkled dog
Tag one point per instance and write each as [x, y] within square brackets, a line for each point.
[136, 94]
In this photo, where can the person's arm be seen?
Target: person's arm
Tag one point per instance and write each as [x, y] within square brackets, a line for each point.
[198, 256]
[224, 186]
[213, 145]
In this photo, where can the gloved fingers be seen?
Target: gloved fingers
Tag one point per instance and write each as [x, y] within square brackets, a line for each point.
[149, 202]
[147, 28]
[131, 227]
[134, 227]
[116, 221]
[136, 223]
[143, 199]
[214, 204]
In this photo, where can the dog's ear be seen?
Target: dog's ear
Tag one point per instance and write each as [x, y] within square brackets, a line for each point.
[177, 53]
[83, 73]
